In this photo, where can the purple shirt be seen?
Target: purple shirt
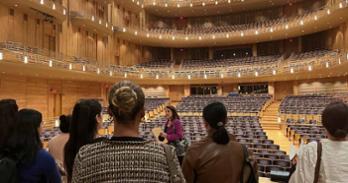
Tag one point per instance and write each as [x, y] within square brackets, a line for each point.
[175, 131]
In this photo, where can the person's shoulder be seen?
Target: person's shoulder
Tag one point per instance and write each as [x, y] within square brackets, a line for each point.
[96, 144]
[42, 156]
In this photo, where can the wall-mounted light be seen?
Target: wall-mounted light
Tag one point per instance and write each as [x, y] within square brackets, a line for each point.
[50, 63]
[25, 59]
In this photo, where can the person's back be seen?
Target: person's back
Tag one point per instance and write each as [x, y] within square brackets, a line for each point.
[56, 145]
[126, 157]
[213, 162]
[334, 154]
[42, 169]
[121, 159]
[218, 157]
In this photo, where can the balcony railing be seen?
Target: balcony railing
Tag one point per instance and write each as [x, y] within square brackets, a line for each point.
[27, 55]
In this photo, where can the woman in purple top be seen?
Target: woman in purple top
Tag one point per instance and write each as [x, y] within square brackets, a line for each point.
[173, 130]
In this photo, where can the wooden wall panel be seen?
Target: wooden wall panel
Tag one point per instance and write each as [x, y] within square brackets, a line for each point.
[331, 85]
[176, 93]
[44, 94]
[283, 89]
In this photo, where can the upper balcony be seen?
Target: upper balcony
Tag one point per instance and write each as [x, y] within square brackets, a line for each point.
[92, 23]
[192, 8]
[325, 18]
[46, 6]
[16, 58]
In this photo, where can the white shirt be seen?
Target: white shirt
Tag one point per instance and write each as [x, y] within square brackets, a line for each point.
[333, 167]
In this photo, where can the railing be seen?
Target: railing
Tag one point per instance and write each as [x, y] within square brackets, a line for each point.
[52, 5]
[43, 57]
[94, 19]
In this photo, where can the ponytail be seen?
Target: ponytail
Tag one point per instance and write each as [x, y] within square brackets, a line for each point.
[215, 114]
[220, 136]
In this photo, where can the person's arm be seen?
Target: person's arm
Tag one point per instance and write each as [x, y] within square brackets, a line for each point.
[178, 132]
[77, 170]
[177, 164]
[305, 165]
[187, 169]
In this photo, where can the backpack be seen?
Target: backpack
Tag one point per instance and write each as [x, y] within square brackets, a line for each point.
[8, 170]
[248, 173]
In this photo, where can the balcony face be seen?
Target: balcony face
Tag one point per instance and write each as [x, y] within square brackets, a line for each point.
[46, 6]
[92, 23]
[193, 8]
[317, 21]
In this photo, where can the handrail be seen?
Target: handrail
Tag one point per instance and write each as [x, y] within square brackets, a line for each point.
[39, 56]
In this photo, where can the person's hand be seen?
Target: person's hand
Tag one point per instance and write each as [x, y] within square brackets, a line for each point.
[162, 134]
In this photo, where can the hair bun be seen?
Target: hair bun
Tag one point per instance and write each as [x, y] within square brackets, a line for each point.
[124, 99]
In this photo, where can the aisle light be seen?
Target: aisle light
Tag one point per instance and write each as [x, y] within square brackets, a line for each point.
[160, 37]
[154, 3]
[213, 37]
[173, 38]
[186, 38]
[199, 38]
[70, 66]
[301, 22]
[100, 22]
[341, 5]
[64, 12]
[50, 63]
[25, 59]
[106, 25]
[257, 32]
[136, 33]
[124, 29]
[227, 35]
[166, 5]
[92, 18]
[203, 3]
[274, 72]
[347, 56]
[191, 4]
[216, 2]
[1, 56]
[229, 1]
[147, 35]
[178, 5]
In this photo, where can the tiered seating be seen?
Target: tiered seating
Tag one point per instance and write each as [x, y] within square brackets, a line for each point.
[156, 64]
[246, 129]
[230, 62]
[299, 132]
[305, 104]
[154, 103]
[234, 104]
[311, 57]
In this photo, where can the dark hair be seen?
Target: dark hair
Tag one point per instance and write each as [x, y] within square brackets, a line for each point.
[64, 123]
[215, 114]
[8, 118]
[174, 112]
[126, 100]
[335, 119]
[26, 138]
[83, 129]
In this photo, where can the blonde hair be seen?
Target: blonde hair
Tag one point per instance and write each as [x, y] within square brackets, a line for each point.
[126, 99]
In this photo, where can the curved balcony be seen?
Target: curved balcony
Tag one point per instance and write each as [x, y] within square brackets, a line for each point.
[192, 8]
[46, 6]
[323, 19]
[92, 23]
[16, 58]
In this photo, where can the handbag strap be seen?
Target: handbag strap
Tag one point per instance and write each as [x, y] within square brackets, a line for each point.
[317, 165]
[173, 171]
